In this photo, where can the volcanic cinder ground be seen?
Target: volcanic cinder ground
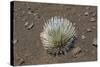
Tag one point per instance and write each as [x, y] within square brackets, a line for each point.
[28, 22]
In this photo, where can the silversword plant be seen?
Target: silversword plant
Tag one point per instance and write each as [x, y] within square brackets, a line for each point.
[58, 35]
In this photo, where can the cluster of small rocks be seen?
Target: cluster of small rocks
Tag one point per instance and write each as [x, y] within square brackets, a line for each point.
[87, 8]
[93, 14]
[92, 19]
[78, 50]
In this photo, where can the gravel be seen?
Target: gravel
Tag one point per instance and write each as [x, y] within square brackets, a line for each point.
[89, 30]
[92, 19]
[86, 13]
[76, 51]
[94, 42]
[83, 36]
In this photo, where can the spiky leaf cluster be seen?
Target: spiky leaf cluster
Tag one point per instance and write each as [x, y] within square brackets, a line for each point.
[57, 31]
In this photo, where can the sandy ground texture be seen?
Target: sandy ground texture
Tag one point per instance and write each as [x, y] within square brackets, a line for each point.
[28, 23]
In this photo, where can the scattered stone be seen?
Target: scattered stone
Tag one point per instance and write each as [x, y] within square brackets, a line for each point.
[83, 36]
[89, 30]
[93, 14]
[15, 41]
[94, 42]
[21, 61]
[76, 52]
[92, 19]
[60, 52]
[29, 26]
[26, 24]
[29, 12]
[86, 13]
[35, 14]
[93, 27]
[87, 8]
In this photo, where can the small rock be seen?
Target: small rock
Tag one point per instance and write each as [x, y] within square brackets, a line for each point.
[94, 42]
[29, 12]
[92, 19]
[87, 8]
[21, 61]
[60, 52]
[86, 13]
[76, 52]
[15, 41]
[29, 26]
[93, 27]
[26, 24]
[93, 14]
[35, 14]
[89, 30]
[83, 36]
